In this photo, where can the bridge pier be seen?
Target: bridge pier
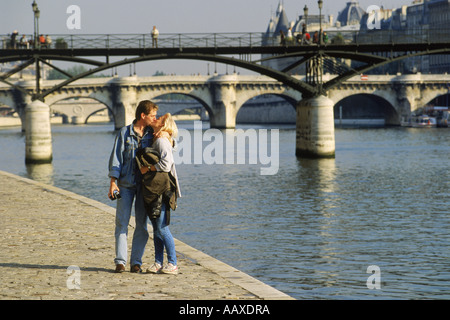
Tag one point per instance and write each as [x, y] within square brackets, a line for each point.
[38, 136]
[315, 128]
[224, 116]
[124, 100]
[223, 92]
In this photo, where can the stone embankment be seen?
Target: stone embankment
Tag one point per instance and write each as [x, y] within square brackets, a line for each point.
[59, 245]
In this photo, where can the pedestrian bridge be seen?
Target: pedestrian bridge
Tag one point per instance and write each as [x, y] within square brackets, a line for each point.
[313, 95]
[224, 95]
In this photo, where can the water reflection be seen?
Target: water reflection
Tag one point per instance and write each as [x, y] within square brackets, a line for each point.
[321, 177]
[312, 229]
[41, 172]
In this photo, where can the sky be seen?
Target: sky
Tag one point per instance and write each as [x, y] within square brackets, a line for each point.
[170, 16]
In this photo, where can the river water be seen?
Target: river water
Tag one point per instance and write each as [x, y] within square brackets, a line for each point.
[317, 228]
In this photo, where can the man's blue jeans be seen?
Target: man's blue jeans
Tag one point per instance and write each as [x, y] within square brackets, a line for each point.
[140, 235]
[162, 238]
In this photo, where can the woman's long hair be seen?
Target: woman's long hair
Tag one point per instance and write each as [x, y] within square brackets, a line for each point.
[169, 125]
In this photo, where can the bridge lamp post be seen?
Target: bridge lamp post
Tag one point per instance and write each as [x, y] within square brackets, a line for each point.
[305, 13]
[38, 135]
[37, 13]
[36, 43]
[320, 3]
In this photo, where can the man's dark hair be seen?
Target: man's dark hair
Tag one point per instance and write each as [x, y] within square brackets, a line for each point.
[145, 106]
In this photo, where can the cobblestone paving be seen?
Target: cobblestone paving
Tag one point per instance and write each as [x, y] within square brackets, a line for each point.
[44, 232]
[56, 246]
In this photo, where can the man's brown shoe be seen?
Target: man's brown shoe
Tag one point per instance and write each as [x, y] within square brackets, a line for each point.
[119, 268]
[135, 268]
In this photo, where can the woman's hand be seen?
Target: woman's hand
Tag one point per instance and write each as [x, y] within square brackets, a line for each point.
[144, 170]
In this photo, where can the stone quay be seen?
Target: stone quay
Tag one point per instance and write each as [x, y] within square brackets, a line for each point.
[57, 245]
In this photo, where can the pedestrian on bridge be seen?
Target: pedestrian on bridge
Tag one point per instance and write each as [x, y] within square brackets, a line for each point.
[282, 38]
[48, 41]
[24, 44]
[13, 42]
[155, 34]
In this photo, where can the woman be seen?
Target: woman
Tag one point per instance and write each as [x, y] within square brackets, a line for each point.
[162, 236]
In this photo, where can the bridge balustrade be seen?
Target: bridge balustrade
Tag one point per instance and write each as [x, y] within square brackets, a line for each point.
[249, 39]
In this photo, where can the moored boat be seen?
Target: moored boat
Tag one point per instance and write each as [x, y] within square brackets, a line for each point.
[423, 121]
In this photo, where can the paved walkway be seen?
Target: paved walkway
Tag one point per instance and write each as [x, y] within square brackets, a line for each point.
[58, 245]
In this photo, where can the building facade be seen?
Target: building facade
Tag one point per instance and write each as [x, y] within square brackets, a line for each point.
[421, 20]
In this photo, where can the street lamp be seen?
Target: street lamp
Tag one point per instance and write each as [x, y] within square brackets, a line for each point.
[36, 42]
[37, 13]
[320, 3]
[305, 13]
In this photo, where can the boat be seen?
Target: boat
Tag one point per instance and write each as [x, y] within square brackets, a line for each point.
[423, 121]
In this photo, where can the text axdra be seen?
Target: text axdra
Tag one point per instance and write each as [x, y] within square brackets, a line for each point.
[246, 309]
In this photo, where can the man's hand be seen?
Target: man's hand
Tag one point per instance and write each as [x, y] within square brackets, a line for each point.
[112, 187]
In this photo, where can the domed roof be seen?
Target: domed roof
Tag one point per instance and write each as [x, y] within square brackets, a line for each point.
[352, 14]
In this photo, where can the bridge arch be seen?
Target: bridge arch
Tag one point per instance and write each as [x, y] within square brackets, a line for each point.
[198, 90]
[96, 112]
[8, 100]
[204, 104]
[365, 107]
[281, 76]
[271, 108]
[78, 112]
[439, 96]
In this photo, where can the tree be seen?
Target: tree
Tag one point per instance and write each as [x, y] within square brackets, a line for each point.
[75, 70]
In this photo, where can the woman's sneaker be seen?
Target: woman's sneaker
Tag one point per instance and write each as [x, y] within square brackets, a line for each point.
[170, 269]
[155, 268]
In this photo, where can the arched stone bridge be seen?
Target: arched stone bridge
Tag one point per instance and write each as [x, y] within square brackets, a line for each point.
[223, 95]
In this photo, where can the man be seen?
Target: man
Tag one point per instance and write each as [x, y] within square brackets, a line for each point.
[126, 179]
[24, 42]
[155, 34]
[14, 39]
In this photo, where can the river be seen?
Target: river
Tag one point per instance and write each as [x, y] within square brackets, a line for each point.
[317, 228]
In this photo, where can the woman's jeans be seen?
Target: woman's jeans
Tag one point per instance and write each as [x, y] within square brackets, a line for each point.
[162, 238]
[140, 236]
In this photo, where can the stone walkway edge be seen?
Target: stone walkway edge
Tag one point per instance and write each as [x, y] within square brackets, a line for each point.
[227, 272]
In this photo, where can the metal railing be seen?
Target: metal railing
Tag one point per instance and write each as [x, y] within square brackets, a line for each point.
[252, 39]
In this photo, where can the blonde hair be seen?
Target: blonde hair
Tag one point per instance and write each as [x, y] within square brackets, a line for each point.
[169, 125]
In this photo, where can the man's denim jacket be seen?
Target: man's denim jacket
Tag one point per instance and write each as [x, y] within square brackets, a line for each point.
[122, 164]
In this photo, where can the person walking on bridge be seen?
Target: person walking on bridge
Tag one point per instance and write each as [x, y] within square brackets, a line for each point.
[155, 34]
